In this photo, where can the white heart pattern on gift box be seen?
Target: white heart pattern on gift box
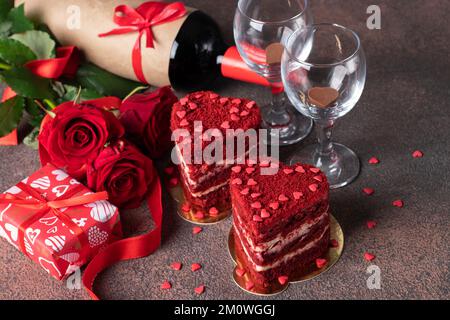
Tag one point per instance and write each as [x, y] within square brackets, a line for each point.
[80, 222]
[4, 234]
[74, 182]
[60, 175]
[13, 190]
[102, 211]
[32, 234]
[49, 221]
[52, 230]
[59, 191]
[4, 211]
[71, 257]
[96, 236]
[28, 247]
[41, 183]
[49, 266]
[56, 243]
[13, 231]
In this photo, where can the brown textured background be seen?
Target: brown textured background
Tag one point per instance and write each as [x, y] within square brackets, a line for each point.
[405, 107]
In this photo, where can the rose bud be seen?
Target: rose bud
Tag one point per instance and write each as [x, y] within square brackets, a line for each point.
[77, 133]
[146, 118]
[124, 172]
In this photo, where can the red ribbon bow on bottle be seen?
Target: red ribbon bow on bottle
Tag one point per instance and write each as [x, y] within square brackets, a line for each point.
[141, 20]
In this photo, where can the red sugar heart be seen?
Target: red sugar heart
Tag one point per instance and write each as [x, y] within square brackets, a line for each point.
[245, 191]
[283, 198]
[288, 171]
[252, 182]
[200, 289]
[244, 113]
[264, 164]
[251, 104]
[297, 195]
[195, 267]
[223, 100]
[417, 154]
[369, 191]
[368, 256]
[213, 96]
[320, 263]
[255, 195]
[213, 211]
[256, 205]
[199, 215]
[240, 272]
[234, 117]
[186, 207]
[265, 214]
[371, 224]
[225, 125]
[192, 106]
[197, 230]
[236, 169]
[250, 170]
[274, 205]
[184, 123]
[314, 170]
[176, 266]
[313, 187]
[300, 169]
[184, 101]
[166, 285]
[374, 160]
[257, 218]
[398, 203]
[283, 280]
[318, 178]
[236, 181]
[234, 110]
[236, 101]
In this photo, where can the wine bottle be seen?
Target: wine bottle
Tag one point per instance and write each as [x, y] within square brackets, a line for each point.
[189, 53]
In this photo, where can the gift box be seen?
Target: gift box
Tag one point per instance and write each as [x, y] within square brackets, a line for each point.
[56, 221]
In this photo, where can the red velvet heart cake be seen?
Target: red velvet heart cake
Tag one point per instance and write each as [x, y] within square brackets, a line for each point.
[281, 222]
[206, 186]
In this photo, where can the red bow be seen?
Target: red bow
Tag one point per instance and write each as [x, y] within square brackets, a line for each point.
[141, 20]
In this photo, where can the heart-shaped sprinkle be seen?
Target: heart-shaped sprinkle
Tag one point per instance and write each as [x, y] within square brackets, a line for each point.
[236, 169]
[371, 224]
[252, 182]
[200, 289]
[288, 171]
[369, 191]
[245, 191]
[184, 123]
[236, 181]
[265, 214]
[264, 164]
[196, 230]
[368, 256]
[176, 266]
[234, 110]
[199, 215]
[181, 114]
[225, 125]
[318, 178]
[320, 263]
[214, 212]
[213, 96]
[283, 198]
[314, 170]
[244, 113]
[283, 280]
[240, 272]
[255, 195]
[256, 205]
[297, 195]
[334, 243]
[195, 267]
[186, 207]
[417, 154]
[193, 106]
[398, 203]
[323, 97]
[274, 205]
[250, 170]
[235, 118]
[166, 285]
[199, 95]
[249, 285]
[184, 101]
[300, 169]
[223, 100]
[236, 101]
[374, 160]
[257, 218]
[250, 105]
[313, 187]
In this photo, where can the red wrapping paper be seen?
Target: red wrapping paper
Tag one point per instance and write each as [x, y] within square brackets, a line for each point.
[48, 241]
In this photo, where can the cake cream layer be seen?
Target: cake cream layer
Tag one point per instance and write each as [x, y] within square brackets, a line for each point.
[284, 258]
[280, 241]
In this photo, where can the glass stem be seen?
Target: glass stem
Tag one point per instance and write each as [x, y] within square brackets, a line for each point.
[324, 131]
[277, 114]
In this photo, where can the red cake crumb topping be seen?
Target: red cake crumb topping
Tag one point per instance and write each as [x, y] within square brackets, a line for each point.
[320, 263]
[195, 267]
[173, 182]
[169, 170]
[283, 280]
[368, 256]
[176, 266]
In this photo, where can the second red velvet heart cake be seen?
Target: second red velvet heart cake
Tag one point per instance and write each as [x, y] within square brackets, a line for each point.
[281, 222]
[206, 186]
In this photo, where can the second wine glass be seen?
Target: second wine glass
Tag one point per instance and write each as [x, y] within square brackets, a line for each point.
[261, 30]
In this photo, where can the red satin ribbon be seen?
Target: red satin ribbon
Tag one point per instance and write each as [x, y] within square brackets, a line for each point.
[66, 63]
[130, 248]
[43, 206]
[141, 20]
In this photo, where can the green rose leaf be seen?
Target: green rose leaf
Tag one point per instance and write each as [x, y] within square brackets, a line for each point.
[15, 53]
[26, 84]
[94, 78]
[39, 42]
[31, 140]
[35, 114]
[5, 8]
[85, 94]
[20, 23]
[5, 29]
[10, 114]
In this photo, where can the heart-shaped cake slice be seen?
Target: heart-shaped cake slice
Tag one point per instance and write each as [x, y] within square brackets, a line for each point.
[281, 221]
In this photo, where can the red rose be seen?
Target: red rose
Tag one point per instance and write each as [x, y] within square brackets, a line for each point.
[124, 172]
[78, 133]
[146, 118]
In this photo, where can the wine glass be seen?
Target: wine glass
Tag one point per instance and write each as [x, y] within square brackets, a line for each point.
[324, 73]
[261, 29]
